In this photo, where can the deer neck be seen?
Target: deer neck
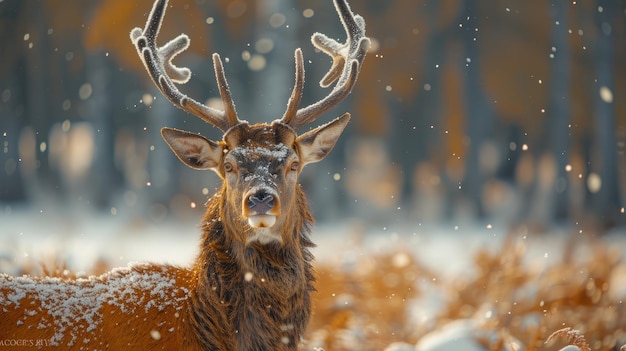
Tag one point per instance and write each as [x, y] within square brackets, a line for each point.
[262, 289]
[223, 242]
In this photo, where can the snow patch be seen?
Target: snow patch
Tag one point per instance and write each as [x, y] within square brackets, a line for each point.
[75, 306]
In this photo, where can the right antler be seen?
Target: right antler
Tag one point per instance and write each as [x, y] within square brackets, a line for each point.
[158, 62]
[347, 61]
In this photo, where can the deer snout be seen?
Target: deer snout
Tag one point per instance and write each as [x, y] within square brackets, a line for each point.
[260, 202]
[261, 208]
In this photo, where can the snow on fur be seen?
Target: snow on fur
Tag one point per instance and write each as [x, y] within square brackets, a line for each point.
[76, 307]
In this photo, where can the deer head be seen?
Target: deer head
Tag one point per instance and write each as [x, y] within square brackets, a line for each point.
[259, 163]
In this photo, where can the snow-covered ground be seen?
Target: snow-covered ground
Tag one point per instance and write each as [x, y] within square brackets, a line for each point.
[79, 238]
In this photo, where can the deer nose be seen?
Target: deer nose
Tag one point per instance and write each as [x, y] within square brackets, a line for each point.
[261, 202]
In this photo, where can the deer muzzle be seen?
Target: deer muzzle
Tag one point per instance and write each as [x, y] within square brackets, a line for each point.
[261, 207]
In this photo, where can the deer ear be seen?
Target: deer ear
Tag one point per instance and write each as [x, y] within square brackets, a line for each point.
[194, 150]
[315, 144]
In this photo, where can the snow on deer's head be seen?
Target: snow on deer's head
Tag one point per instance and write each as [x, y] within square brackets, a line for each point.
[260, 165]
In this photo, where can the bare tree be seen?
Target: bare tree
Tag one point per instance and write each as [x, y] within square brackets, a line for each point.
[480, 116]
[559, 107]
[606, 197]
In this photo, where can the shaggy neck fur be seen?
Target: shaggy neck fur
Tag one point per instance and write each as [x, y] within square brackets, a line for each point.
[257, 293]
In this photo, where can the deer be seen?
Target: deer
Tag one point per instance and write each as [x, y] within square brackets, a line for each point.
[250, 286]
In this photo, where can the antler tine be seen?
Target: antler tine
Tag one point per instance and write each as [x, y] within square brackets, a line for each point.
[347, 61]
[296, 93]
[164, 74]
[222, 85]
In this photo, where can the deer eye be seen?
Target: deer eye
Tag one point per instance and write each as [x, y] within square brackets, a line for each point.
[294, 166]
[228, 167]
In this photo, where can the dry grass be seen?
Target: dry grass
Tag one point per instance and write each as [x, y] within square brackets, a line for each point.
[574, 337]
[367, 302]
[572, 302]
[363, 304]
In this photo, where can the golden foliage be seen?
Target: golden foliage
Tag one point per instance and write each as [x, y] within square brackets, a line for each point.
[367, 301]
[514, 47]
[505, 291]
[113, 20]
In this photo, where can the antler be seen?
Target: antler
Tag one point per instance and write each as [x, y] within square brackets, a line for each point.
[347, 61]
[158, 62]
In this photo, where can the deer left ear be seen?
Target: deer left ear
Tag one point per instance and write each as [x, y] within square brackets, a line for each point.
[315, 144]
[194, 150]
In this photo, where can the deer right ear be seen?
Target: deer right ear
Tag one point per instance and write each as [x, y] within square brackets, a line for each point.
[315, 144]
[194, 150]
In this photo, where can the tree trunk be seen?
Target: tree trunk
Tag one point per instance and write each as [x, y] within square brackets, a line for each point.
[12, 107]
[559, 109]
[479, 114]
[38, 111]
[606, 200]
[412, 139]
[164, 170]
[11, 112]
[274, 43]
[103, 182]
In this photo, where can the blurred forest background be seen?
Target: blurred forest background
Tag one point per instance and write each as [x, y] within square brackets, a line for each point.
[513, 110]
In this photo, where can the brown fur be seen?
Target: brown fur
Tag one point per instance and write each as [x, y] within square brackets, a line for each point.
[141, 307]
[272, 310]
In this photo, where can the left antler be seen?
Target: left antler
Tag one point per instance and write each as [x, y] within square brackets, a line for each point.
[347, 61]
[158, 62]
